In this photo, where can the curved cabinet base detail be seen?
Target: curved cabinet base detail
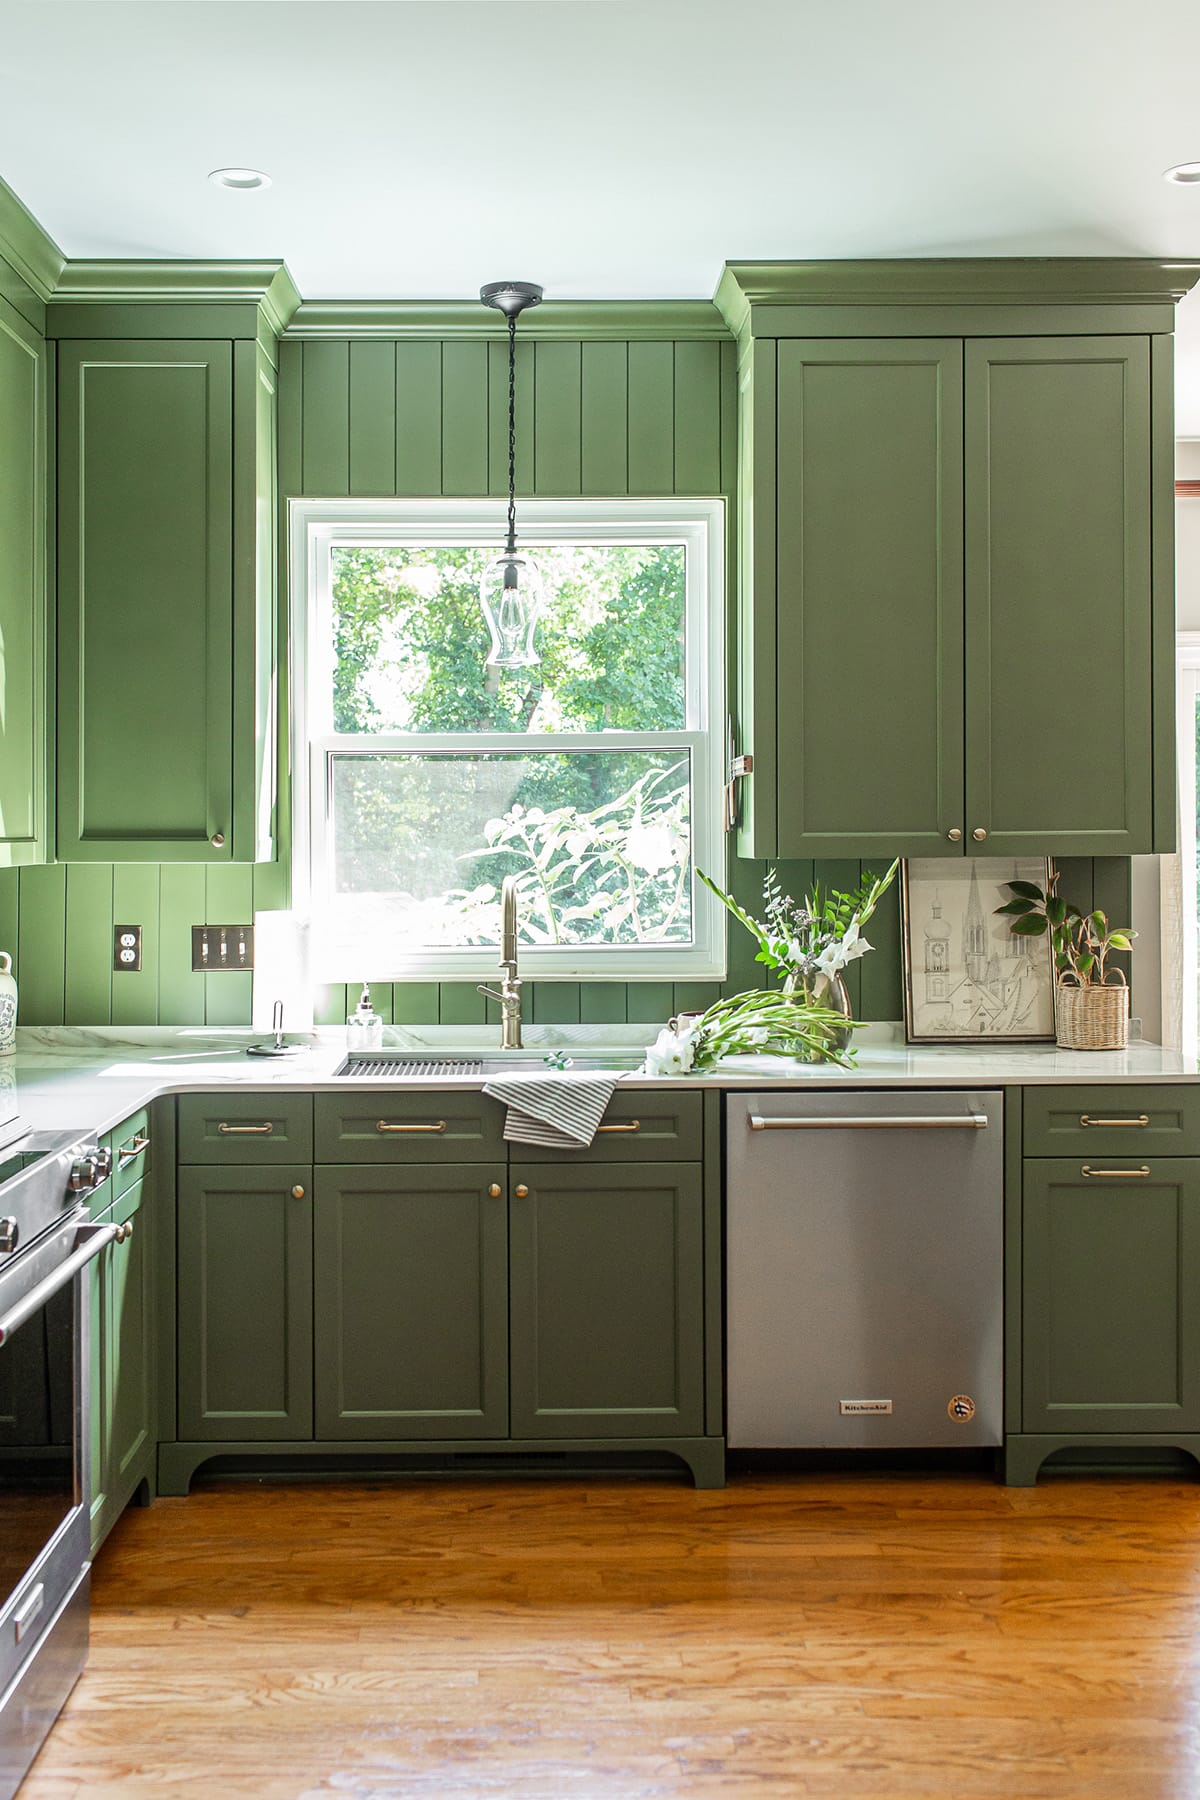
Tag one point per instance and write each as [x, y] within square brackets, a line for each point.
[703, 1456]
[1024, 1454]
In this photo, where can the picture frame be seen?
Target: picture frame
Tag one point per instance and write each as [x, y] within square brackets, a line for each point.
[967, 978]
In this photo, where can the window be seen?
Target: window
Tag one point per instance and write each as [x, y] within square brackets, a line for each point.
[425, 777]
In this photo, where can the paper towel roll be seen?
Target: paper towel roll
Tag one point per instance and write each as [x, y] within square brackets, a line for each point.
[281, 971]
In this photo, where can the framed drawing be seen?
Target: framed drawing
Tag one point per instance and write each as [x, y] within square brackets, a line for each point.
[967, 979]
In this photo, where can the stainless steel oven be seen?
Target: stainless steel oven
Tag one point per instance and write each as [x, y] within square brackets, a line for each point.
[47, 1181]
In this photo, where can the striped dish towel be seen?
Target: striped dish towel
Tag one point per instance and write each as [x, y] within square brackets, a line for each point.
[560, 1110]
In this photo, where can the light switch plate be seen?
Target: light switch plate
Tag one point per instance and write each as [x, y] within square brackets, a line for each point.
[220, 947]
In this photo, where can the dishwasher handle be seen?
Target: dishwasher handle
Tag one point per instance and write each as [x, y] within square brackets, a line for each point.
[901, 1122]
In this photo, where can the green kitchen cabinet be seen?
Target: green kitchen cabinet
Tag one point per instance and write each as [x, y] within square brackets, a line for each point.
[411, 1301]
[23, 699]
[166, 624]
[123, 1385]
[955, 592]
[1110, 1304]
[245, 1302]
[1059, 693]
[607, 1273]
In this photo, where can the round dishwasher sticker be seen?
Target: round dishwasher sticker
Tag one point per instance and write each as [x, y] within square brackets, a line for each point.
[961, 1408]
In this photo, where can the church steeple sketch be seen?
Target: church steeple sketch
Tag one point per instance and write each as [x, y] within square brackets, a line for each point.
[970, 976]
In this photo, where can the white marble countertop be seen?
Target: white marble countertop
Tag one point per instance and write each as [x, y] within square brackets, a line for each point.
[92, 1078]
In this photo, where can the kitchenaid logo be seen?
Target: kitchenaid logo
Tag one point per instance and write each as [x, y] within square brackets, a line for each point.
[864, 1406]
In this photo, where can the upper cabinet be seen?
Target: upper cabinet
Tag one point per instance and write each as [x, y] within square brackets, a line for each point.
[956, 587]
[166, 530]
[23, 726]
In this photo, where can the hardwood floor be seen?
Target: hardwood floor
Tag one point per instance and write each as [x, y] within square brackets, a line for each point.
[802, 1635]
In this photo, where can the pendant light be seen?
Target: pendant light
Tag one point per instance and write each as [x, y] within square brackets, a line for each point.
[510, 592]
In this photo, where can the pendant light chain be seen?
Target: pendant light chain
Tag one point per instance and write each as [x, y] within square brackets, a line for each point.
[512, 432]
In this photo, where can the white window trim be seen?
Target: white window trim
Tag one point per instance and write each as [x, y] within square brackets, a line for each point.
[317, 526]
[1187, 691]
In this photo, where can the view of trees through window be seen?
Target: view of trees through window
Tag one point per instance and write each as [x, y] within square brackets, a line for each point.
[599, 836]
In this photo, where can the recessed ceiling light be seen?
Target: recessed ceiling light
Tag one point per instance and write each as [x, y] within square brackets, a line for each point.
[242, 179]
[1186, 174]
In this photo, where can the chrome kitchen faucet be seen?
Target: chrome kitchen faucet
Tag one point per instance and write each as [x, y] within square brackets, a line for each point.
[509, 991]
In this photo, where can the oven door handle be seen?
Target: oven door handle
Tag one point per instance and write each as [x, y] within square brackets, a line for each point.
[90, 1240]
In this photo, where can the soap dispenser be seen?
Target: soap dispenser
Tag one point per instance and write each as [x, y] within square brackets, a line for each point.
[364, 1027]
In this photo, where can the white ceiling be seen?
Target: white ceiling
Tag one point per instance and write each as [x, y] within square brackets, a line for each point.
[607, 148]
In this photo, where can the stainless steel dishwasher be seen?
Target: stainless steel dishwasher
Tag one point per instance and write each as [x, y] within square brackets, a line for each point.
[865, 1269]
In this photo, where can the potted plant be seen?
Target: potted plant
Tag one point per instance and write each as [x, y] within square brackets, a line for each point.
[808, 944]
[1091, 999]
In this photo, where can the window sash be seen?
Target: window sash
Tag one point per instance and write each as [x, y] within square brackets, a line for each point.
[320, 527]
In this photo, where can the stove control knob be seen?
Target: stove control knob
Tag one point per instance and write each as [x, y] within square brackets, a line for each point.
[10, 1233]
[104, 1162]
[83, 1174]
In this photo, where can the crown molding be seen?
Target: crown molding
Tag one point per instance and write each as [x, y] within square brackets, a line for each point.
[103, 282]
[28, 249]
[952, 281]
[622, 320]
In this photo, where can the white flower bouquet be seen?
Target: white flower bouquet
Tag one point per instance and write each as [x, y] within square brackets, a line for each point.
[819, 937]
[769, 1020]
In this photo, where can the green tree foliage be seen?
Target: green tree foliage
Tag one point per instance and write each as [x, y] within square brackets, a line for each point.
[600, 841]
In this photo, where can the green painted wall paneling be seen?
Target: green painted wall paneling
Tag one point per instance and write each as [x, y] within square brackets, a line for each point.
[23, 525]
[1058, 583]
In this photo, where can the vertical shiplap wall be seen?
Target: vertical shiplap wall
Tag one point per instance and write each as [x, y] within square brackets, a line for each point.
[429, 417]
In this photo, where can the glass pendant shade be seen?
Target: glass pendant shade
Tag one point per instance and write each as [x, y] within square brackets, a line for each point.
[510, 594]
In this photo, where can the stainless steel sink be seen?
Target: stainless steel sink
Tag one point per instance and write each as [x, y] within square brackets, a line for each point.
[387, 1065]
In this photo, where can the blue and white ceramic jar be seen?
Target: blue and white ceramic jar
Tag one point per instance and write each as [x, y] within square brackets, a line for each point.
[8, 1006]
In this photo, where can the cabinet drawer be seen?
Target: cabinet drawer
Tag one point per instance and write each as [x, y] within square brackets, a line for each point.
[131, 1152]
[245, 1128]
[1112, 1121]
[383, 1125]
[638, 1126]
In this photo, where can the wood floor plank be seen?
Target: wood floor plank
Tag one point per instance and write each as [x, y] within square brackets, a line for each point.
[854, 1638]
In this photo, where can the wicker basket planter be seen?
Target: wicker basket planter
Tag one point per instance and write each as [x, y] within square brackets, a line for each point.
[1092, 1017]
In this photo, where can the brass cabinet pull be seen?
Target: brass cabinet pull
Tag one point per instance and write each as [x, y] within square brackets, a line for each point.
[245, 1130]
[521, 1191]
[979, 834]
[1087, 1119]
[1116, 1174]
[633, 1125]
[217, 840]
[297, 1192]
[130, 1151]
[382, 1125]
[124, 1232]
[495, 1191]
[955, 834]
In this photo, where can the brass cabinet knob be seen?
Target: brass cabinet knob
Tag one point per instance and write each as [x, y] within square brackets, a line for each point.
[297, 1193]
[979, 834]
[521, 1191]
[954, 834]
[217, 840]
[495, 1191]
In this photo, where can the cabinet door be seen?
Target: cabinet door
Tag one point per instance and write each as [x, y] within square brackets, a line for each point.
[1110, 1298]
[607, 1300]
[245, 1303]
[145, 596]
[131, 1388]
[22, 591]
[1059, 750]
[868, 598]
[411, 1302]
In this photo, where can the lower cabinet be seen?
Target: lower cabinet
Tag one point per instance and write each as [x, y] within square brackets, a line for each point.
[607, 1300]
[1111, 1295]
[410, 1290]
[245, 1302]
[123, 1397]
[478, 1301]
